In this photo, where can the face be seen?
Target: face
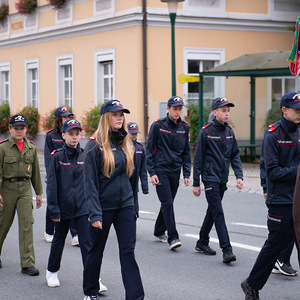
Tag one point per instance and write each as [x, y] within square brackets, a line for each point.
[18, 133]
[64, 119]
[174, 112]
[133, 136]
[222, 113]
[72, 137]
[116, 120]
[291, 114]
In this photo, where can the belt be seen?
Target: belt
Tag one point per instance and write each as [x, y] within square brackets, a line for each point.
[16, 179]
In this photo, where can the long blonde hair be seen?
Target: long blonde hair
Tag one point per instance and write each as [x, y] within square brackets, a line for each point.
[103, 139]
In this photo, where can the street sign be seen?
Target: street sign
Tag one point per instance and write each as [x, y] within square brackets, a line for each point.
[183, 78]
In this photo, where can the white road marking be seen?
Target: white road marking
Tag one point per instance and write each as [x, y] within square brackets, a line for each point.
[250, 225]
[146, 212]
[243, 246]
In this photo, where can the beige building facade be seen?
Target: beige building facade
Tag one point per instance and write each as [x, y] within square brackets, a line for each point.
[90, 51]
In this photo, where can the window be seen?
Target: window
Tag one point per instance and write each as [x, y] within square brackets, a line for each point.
[280, 86]
[103, 6]
[199, 60]
[105, 78]
[32, 82]
[5, 83]
[65, 81]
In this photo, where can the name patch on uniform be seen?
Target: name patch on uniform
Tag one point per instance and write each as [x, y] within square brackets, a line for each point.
[64, 164]
[285, 142]
[139, 152]
[57, 140]
[80, 162]
[213, 137]
[164, 130]
[180, 131]
[229, 137]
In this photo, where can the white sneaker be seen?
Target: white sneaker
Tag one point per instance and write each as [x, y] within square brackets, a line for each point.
[102, 288]
[90, 298]
[75, 241]
[52, 279]
[48, 238]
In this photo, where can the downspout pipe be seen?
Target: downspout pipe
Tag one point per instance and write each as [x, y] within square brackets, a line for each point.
[145, 69]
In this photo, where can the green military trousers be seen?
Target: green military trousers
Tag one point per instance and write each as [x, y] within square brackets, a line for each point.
[18, 196]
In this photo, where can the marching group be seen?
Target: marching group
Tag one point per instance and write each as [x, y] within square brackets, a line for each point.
[91, 189]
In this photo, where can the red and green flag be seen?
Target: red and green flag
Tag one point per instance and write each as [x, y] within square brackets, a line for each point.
[294, 58]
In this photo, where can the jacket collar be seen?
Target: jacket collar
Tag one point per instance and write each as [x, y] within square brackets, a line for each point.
[288, 125]
[218, 124]
[171, 122]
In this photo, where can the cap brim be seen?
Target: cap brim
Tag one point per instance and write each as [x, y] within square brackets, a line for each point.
[294, 105]
[177, 104]
[125, 110]
[19, 124]
[134, 131]
[227, 104]
[74, 127]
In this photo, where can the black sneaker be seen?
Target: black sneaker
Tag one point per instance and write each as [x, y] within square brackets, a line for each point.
[285, 268]
[250, 292]
[31, 271]
[205, 249]
[228, 257]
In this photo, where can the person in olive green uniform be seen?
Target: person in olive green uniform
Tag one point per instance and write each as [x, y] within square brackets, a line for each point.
[19, 166]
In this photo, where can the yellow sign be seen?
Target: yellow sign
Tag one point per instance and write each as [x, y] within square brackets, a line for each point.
[183, 78]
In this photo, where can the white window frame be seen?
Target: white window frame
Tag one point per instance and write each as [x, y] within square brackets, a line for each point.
[61, 62]
[31, 64]
[297, 87]
[5, 67]
[187, 6]
[104, 11]
[102, 56]
[201, 54]
[281, 15]
[68, 7]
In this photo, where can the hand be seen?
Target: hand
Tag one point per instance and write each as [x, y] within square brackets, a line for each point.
[239, 183]
[197, 191]
[265, 196]
[39, 201]
[1, 201]
[97, 224]
[56, 220]
[187, 181]
[154, 180]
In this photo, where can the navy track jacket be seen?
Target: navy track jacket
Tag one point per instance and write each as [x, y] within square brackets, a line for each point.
[216, 149]
[281, 157]
[65, 193]
[103, 193]
[168, 147]
[53, 141]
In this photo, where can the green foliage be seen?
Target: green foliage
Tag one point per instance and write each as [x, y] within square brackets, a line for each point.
[3, 12]
[33, 117]
[91, 120]
[26, 7]
[273, 115]
[48, 120]
[4, 117]
[193, 120]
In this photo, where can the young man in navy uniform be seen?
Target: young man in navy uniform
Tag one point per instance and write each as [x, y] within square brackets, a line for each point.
[140, 169]
[216, 149]
[281, 158]
[168, 150]
[54, 141]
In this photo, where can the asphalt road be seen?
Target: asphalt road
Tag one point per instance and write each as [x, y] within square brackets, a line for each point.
[180, 274]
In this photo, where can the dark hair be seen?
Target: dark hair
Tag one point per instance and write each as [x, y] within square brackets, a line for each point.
[58, 123]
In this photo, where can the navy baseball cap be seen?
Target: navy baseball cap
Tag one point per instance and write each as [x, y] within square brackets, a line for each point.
[17, 120]
[290, 99]
[133, 127]
[113, 105]
[175, 101]
[219, 102]
[62, 111]
[71, 124]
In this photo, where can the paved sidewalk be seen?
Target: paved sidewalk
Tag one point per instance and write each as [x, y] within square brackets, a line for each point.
[251, 177]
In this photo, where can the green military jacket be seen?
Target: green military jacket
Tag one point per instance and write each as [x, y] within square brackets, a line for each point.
[15, 164]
